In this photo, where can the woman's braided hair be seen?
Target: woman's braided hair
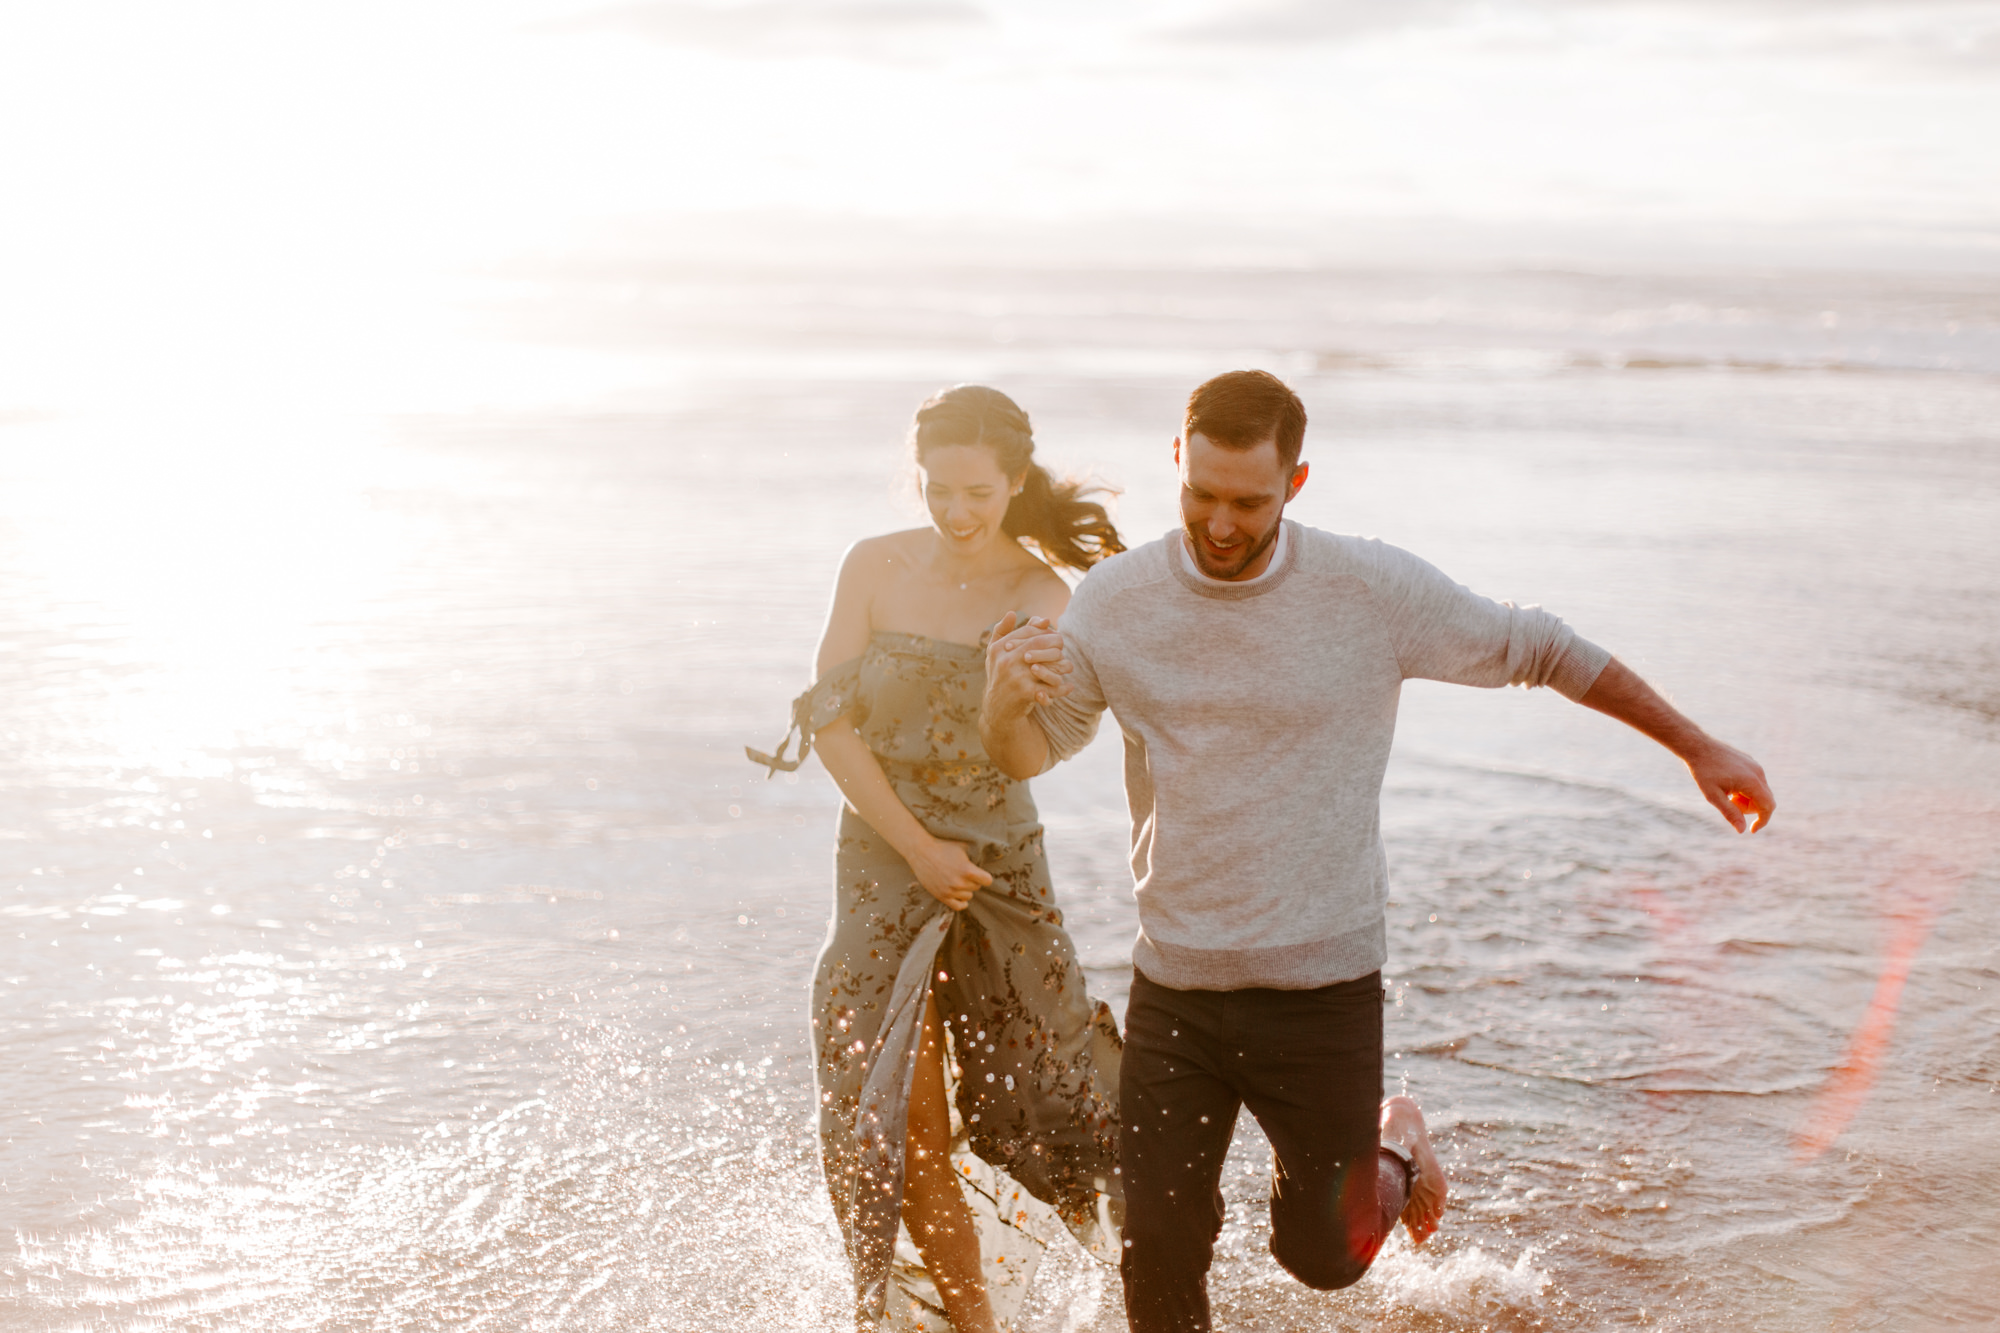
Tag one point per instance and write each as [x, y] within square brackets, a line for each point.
[1050, 512]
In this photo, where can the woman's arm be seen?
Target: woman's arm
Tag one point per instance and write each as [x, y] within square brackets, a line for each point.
[942, 867]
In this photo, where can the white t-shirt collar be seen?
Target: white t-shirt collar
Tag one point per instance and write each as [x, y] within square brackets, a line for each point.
[1277, 559]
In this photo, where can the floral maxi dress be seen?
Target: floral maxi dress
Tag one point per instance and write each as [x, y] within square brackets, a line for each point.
[1033, 1058]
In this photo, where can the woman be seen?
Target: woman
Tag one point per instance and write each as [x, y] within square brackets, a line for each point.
[943, 917]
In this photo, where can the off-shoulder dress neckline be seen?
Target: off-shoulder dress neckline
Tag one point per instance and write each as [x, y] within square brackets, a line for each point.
[952, 645]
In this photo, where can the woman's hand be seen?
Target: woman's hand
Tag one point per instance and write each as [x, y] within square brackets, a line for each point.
[1025, 666]
[948, 874]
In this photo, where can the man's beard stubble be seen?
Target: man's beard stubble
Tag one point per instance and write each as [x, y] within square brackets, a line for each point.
[1255, 553]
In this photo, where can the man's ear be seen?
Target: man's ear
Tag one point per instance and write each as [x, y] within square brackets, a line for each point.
[1298, 481]
[1177, 451]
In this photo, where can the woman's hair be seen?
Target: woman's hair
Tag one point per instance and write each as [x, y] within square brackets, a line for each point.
[1050, 512]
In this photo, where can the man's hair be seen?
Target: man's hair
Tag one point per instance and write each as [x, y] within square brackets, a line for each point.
[1244, 408]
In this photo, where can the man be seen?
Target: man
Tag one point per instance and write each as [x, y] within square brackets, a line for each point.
[1254, 665]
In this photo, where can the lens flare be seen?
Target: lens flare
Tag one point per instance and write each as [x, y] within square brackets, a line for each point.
[1958, 838]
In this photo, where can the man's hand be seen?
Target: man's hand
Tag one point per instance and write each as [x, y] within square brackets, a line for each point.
[1025, 666]
[1733, 782]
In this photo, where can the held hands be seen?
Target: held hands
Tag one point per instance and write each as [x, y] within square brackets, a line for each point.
[948, 874]
[1733, 782]
[1025, 665]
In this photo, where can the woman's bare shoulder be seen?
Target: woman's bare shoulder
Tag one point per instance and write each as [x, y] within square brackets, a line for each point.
[871, 557]
[1041, 591]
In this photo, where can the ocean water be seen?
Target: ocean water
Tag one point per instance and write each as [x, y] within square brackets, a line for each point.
[396, 938]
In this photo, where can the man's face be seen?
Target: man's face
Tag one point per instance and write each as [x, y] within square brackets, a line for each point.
[1231, 501]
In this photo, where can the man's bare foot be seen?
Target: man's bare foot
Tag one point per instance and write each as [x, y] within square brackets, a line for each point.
[1403, 1125]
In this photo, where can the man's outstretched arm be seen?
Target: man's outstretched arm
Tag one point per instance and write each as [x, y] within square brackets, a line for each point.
[1732, 781]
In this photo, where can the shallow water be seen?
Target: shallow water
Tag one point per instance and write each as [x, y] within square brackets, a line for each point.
[399, 940]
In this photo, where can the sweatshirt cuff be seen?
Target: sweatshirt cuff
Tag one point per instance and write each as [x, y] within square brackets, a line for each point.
[1578, 668]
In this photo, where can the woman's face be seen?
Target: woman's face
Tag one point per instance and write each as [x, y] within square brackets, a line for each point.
[967, 495]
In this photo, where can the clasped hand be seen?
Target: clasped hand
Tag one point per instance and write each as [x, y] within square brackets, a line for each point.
[947, 873]
[1025, 664]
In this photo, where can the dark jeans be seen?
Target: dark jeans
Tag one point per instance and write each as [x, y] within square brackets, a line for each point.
[1308, 1063]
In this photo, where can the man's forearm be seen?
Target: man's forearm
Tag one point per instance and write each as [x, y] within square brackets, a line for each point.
[1729, 779]
[1016, 744]
[1620, 692]
[1014, 741]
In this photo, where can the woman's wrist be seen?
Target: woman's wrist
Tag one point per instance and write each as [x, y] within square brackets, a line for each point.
[915, 843]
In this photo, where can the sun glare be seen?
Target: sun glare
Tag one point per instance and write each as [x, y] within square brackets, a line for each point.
[203, 568]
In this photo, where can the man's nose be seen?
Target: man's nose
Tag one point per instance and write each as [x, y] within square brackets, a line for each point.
[1220, 526]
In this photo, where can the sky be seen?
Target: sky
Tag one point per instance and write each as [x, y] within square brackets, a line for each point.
[207, 172]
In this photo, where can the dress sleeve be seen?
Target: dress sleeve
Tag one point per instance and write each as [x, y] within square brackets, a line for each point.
[831, 696]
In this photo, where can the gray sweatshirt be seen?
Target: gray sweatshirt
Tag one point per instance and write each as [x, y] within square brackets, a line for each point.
[1257, 721]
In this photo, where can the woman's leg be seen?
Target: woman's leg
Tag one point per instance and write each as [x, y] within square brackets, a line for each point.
[933, 1207]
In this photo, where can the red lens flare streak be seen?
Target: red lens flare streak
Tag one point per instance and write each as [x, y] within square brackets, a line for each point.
[1926, 890]
[1666, 917]
[1919, 888]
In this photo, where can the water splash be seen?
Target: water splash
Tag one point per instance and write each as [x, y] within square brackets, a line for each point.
[1461, 1282]
[539, 1217]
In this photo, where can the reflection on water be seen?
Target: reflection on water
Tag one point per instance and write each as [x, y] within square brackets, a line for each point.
[200, 569]
[398, 940]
